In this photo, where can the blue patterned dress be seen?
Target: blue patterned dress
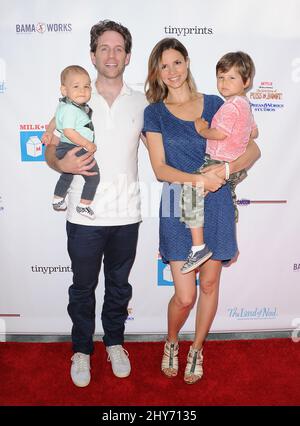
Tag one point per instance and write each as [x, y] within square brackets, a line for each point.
[185, 150]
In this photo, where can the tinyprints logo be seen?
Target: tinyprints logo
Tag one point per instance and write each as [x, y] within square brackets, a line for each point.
[185, 31]
[48, 270]
[42, 27]
[32, 148]
[266, 98]
[264, 313]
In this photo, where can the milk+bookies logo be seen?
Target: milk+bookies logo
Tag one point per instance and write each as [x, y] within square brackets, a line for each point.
[31, 146]
[164, 274]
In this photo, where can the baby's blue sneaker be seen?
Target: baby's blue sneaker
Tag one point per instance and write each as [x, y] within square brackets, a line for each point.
[196, 259]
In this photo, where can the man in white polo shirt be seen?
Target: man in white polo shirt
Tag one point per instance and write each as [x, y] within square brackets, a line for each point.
[112, 235]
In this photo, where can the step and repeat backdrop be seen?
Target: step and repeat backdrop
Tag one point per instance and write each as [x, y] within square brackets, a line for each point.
[38, 38]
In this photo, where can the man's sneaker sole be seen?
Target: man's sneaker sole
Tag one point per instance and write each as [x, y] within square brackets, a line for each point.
[197, 264]
[122, 375]
[81, 385]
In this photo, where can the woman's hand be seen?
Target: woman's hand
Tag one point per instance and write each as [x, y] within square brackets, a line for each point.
[211, 181]
[218, 169]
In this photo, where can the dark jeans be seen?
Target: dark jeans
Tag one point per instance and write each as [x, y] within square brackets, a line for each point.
[86, 246]
[63, 184]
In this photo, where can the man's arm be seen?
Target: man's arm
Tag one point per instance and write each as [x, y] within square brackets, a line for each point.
[70, 163]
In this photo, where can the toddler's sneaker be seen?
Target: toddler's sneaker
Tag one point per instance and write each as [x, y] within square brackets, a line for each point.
[86, 211]
[196, 259]
[59, 204]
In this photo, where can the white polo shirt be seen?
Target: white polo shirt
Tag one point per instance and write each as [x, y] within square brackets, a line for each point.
[117, 135]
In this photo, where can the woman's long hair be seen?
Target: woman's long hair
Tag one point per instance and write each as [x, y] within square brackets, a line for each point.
[155, 89]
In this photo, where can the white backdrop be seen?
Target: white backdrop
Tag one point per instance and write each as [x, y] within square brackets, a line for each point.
[38, 38]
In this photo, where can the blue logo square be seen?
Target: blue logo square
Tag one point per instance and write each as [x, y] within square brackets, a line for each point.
[32, 148]
[164, 275]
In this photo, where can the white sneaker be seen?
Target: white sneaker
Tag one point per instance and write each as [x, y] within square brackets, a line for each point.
[120, 363]
[59, 205]
[80, 369]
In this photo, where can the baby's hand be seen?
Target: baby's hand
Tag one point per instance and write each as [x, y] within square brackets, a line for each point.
[46, 138]
[90, 147]
[200, 124]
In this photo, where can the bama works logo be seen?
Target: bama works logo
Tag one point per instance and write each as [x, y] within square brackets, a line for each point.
[42, 27]
[31, 146]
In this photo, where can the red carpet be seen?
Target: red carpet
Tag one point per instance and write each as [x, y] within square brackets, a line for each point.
[244, 372]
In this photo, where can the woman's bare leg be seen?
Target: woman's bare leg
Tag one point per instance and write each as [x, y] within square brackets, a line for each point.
[182, 301]
[210, 273]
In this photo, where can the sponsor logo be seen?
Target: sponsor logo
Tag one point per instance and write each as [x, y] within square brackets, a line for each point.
[265, 98]
[48, 270]
[296, 267]
[2, 86]
[164, 274]
[32, 148]
[185, 31]
[43, 27]
[130, 314]
[2, 75]
[245, 202]
[263, 313]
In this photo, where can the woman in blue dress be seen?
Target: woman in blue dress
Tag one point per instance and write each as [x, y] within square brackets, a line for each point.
[176, 150]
